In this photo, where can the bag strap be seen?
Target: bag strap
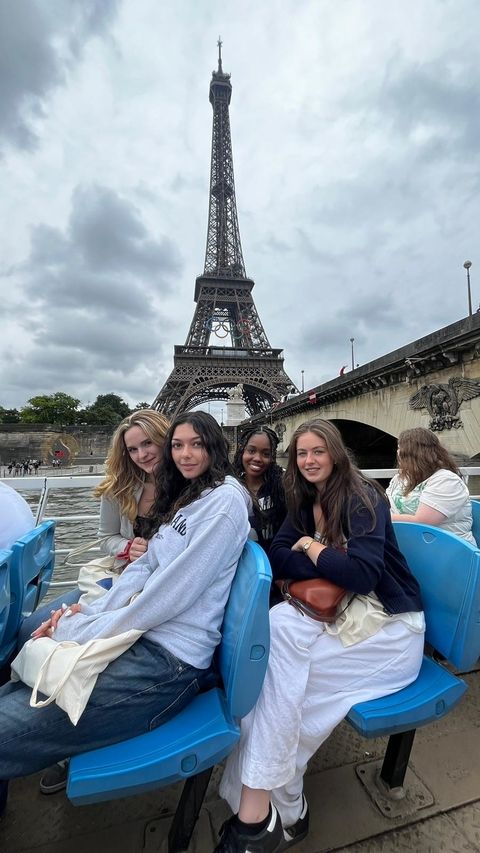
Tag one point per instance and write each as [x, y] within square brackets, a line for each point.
[41, 703]
[82, 549]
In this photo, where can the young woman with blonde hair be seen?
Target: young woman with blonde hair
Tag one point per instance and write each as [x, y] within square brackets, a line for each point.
[127, 493]
[126, 524]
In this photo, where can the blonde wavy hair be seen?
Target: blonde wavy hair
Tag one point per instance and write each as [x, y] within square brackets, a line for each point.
[123, 477]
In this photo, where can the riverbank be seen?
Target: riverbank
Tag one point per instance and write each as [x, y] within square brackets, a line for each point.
[54, 471]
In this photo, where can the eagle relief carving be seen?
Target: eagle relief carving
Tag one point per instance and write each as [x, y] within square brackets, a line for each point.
[444, 400]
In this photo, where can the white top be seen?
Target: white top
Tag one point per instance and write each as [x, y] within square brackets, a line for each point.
[176, 592]
[444, 491]
[16, 517]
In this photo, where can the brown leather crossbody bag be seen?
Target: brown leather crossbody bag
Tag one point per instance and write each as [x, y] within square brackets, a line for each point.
[318, 598]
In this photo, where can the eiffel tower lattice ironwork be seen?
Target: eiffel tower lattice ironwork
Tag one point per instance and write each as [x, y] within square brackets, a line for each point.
[225, 306]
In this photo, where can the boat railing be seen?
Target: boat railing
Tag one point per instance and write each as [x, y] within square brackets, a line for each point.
[48, 485]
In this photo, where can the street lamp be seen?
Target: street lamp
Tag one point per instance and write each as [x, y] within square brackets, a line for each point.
[353, 356]
[303, 383]
[467, 266]
[222, 417]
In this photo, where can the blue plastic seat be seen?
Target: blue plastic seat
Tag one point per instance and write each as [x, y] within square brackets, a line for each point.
[206, 730]
[432, 695]
[448, 571]
[5, 560]
[31, 567]
[476, 520]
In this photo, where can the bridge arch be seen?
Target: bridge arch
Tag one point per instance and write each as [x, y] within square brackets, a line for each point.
[372, 447]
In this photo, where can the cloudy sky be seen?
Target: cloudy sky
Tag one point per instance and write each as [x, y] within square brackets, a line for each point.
[356, 129]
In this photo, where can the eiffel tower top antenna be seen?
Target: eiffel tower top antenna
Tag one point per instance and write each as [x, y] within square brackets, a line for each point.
[223, 255]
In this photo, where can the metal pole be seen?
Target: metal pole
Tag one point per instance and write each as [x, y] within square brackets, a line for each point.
[353, 356]
[467, 266]
[303, 383]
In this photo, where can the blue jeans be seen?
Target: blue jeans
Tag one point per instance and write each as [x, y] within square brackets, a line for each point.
[41, 614]
[137, 692]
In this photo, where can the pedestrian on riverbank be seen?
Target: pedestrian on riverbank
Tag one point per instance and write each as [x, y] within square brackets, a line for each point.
[429, 488]
[175, 593]
[339, 528]
[255, 463]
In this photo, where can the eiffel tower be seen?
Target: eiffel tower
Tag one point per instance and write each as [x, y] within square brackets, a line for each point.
[225, 306]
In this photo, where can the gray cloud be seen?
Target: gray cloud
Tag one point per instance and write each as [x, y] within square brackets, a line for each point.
[39, 43]
[93, 292]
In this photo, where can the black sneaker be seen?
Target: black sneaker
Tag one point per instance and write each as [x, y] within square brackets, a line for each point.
[3, 796]
[269, 840]
[55, 778]
[296, 833]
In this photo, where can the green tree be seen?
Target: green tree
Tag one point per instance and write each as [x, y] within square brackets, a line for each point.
[58, 408]
[107, 409]
[114, 402]
[141, 406]
[98, 415]
[9, 416]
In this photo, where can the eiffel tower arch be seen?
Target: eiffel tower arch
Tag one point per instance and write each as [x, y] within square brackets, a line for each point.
[225, 309]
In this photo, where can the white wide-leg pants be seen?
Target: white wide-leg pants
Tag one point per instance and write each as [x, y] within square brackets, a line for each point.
[311, 683]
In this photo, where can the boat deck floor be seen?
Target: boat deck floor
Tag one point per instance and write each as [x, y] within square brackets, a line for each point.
[440, 814]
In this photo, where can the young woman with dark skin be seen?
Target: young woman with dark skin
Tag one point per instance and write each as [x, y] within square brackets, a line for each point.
[255, 463]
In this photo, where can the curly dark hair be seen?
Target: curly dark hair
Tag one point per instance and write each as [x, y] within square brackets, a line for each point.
[173, 491]
[272, 487]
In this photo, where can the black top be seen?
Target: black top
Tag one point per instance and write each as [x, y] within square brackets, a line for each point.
[266, 518]
[372, 561]
[145, 526]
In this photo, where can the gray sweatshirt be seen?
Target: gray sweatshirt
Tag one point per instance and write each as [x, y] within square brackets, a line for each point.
[182, 581]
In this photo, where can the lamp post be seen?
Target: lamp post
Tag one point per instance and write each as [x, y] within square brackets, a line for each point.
[222, 417]
[303, 382]
[353, 355]
[467, 266]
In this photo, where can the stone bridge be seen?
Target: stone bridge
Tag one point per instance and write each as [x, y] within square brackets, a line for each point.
[433, 382]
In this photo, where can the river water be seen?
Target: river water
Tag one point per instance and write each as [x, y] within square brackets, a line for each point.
[69, 534]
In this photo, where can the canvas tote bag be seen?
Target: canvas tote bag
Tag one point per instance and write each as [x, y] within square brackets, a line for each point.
[92, 573]
[66, 672]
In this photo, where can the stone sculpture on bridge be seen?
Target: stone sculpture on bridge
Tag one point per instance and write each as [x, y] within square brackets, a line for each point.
[443, 401]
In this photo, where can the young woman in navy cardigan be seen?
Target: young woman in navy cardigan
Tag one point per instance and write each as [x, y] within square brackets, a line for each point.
[338, 527]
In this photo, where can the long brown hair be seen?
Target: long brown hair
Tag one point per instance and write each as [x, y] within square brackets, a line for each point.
[344, 485]
[123, 477]
[420, 454]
